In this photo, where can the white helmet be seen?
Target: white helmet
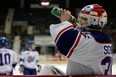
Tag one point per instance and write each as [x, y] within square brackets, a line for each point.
[92, 17]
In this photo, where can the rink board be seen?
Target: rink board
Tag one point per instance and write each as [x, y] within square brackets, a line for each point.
[60, 76]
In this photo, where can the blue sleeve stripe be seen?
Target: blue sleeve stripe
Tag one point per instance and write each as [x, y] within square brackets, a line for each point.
[61, 32]
[74, 46]
[66, 41]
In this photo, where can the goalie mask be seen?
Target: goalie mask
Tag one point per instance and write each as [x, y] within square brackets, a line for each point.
[92, 17]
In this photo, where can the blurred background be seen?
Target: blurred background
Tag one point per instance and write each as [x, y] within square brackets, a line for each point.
[22, 20]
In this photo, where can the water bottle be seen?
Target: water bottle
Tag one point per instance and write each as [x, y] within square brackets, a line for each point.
[56, 11]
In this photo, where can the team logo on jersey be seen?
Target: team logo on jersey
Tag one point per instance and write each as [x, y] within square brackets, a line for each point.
[30, 59]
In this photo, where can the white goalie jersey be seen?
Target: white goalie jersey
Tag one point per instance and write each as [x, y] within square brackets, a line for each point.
[93, 49]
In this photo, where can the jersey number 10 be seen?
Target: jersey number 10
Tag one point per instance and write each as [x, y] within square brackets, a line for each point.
[4, 58]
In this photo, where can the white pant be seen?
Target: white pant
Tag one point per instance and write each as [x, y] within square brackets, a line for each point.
[74, 68]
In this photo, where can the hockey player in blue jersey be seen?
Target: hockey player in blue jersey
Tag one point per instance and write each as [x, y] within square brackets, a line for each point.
[8, 58]
[29, 59]
[89, 51]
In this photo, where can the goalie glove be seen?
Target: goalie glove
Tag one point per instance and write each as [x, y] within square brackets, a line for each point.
[57, 71]
[51, 70]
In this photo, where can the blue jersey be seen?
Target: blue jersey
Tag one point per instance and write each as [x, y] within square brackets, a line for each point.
[92, 49]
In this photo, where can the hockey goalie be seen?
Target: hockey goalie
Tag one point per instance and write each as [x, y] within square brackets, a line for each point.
[89, 51]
